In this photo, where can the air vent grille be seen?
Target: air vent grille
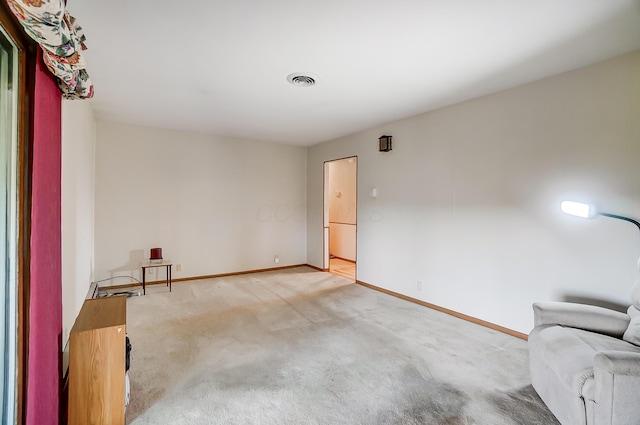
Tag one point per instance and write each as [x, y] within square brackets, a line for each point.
[302, 80]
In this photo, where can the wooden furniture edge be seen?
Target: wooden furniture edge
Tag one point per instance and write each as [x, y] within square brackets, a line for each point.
[447, 311]
[99, 320]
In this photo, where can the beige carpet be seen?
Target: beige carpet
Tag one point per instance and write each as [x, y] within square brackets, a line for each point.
[304, 347]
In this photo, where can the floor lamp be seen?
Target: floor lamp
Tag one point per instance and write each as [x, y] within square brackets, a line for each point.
[580, 209]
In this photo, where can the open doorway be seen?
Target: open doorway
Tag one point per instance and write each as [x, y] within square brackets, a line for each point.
[340, 216]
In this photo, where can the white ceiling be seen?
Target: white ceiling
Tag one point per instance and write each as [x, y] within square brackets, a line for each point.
[220, 67]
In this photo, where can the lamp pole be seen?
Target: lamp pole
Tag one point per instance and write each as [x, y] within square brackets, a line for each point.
[619, 217]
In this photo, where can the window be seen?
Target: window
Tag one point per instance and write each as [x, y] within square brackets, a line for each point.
[9, 61]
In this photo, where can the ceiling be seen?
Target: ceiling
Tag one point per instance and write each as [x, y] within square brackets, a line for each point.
[220, 67]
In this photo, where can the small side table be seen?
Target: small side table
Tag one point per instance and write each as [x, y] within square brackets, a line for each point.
[148, 265]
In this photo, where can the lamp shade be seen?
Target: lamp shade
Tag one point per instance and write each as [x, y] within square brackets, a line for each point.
[156, 254]
[578, 209]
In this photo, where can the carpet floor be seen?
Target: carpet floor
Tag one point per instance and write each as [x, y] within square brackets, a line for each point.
[298, 346]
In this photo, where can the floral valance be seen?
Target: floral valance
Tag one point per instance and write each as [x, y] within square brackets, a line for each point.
[61, 40]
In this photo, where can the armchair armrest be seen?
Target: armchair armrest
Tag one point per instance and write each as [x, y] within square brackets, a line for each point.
[581, 316]
[617, 385]
[618, 363]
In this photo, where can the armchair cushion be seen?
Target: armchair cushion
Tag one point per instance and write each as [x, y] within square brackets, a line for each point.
[581, 316]
[635, 293]
[632, 334]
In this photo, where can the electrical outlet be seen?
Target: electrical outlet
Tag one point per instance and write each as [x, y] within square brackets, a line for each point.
[276, 259]
[150, 270]
[179, 267]
[419, 286]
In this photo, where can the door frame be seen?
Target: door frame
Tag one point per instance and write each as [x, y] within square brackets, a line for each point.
[325, 212]
[27, 56]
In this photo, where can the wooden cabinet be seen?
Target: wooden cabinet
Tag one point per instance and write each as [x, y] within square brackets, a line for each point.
[97, 363]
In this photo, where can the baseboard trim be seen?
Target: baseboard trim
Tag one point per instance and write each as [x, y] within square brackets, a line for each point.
[209, 276]
[213, 276]
[447, 311]
[359, 282]
[343, 259]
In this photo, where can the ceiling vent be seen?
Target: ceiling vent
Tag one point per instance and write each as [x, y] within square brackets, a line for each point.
[302, 80]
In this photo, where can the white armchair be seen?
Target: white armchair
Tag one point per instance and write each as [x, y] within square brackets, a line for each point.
[585, 362]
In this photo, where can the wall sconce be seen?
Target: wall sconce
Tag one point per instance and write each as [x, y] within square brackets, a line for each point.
[385, 143]
[580, 209]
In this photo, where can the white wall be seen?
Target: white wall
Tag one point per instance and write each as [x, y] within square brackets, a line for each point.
[213, 204]
[468, 200]
[78, 148]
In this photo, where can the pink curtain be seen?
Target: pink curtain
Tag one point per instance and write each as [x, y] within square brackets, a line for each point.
[45, 310]
[61, 40]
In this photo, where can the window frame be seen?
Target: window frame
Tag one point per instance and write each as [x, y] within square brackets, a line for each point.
[27, 54]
